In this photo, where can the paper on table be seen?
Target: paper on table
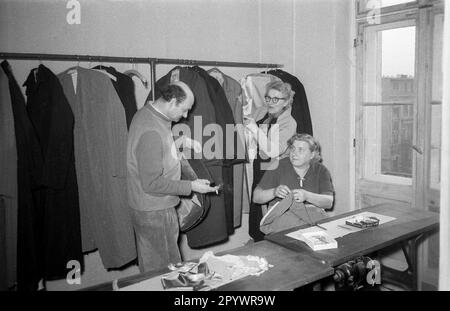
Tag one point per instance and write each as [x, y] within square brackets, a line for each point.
[298, 235]
[337, 228]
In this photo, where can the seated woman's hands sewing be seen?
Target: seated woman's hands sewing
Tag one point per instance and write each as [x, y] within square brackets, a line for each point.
[281, 192]
[324, 201]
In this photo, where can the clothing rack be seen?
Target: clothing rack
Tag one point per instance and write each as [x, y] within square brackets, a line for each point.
[134, 60]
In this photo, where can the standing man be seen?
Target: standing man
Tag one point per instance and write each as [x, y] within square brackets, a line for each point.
[153, 177]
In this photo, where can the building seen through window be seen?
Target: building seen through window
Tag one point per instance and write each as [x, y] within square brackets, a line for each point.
[396, 136]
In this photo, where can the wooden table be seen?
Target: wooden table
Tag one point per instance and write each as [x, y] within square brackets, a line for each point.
[291, 270]
[408, 227]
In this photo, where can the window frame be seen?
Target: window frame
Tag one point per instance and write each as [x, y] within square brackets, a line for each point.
[362, 13]
[370, 167]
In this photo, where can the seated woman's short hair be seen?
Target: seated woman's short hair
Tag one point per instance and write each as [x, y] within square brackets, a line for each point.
[314, 145]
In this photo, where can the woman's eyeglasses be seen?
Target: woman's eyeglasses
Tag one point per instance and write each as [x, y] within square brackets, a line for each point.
[274, 100]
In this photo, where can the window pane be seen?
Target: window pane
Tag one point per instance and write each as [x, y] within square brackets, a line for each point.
[398, 51]
[389, 93]
[396, 138]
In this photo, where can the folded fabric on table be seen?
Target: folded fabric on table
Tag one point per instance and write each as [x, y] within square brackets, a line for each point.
[231, 267]
[213, 271]
[186, 275]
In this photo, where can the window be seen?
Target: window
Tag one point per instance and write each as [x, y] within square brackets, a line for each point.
[389, 68]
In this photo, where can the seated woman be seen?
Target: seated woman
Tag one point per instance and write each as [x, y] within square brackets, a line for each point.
[302, 180]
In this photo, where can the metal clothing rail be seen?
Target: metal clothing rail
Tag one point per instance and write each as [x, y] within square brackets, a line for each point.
[119, 59]
[134, 60]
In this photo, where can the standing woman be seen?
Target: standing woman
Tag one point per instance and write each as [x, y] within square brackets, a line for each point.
[272, 133]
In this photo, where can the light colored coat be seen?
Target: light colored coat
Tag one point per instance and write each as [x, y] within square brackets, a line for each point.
[100, 139]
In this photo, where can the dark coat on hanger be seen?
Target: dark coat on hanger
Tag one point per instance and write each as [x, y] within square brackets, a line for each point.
[203, 106]
[100, 139]
[57, 197]
[29, 168]
[223, 112]
[8, 189]
[125, 89]
[224, 116]
[213, 228]
[300, 109]
[233, 92]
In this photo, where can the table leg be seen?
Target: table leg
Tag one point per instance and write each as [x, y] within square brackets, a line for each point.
[410, 274]
[413, 260]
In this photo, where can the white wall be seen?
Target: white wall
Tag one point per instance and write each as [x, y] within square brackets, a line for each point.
[312, 38]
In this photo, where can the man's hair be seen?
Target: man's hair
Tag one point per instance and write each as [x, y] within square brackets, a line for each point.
[173, 91]
[314, 145]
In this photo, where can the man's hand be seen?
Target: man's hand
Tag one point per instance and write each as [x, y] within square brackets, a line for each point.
[281, 191]
[202, 186]
[299, 195]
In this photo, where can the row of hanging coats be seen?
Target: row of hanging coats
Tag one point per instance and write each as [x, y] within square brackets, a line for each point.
[64, 187]
[69, 147]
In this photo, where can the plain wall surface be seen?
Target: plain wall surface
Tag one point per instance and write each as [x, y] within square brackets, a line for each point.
[311, 38]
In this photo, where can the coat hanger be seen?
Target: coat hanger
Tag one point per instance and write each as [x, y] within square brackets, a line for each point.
[134, 73]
